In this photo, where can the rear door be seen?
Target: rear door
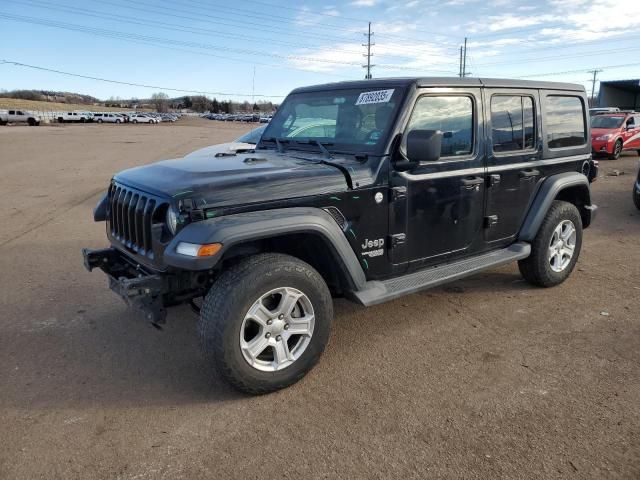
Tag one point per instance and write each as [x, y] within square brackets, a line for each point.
[514, 146]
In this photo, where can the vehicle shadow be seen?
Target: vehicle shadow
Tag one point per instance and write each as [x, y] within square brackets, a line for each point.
[105, 359]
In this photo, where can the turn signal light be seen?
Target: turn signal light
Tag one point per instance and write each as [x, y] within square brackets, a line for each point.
[196, 250]
[209, 249]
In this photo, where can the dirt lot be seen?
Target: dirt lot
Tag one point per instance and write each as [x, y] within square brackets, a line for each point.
[485, 378]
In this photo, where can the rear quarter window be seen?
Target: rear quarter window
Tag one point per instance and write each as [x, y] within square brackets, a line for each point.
[564, 121]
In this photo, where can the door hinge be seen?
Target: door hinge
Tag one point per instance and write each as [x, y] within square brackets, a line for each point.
[398, 239]
[398, 193]
[490, 221]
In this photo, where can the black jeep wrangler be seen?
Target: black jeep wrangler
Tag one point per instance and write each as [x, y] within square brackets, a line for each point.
[369, 190]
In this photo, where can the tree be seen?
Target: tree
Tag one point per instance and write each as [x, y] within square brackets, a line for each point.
[160, 101]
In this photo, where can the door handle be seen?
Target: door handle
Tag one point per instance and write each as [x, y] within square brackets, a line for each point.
[529, 174]
[471, 183]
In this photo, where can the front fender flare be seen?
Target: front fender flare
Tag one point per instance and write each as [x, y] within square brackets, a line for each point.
[231, 230]
[545, 196]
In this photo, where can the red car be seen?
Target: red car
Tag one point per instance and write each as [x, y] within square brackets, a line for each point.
[611, 133]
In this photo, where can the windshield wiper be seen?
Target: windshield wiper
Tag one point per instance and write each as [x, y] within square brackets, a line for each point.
[277, 141]
[324, 150]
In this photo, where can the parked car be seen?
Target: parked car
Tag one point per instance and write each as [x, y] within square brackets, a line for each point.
[245, 143]
[4, 117]
[613, 133]
[108, 118]
[75, 117]
[23, 116]
[599, 110]
[636, 189]
[142, 118]
[422, 182]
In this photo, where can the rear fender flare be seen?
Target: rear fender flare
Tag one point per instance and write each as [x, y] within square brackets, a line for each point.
[549, 191]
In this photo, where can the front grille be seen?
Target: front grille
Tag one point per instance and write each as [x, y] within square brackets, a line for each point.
[130, 218]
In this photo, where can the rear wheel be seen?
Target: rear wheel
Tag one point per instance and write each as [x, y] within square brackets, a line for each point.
[60, 120]
[556, 247]
[636, 197]
[135, 121]
[117, 120]
[617, 150]
[265, 322]
[99, 120]
[31, 122]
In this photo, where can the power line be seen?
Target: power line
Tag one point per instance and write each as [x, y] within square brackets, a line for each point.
[155, 87]
[164, 25]
[580, 70]
[118, 34]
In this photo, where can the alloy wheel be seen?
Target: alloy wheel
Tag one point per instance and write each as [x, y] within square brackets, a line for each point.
[562, 245]
[277, 329]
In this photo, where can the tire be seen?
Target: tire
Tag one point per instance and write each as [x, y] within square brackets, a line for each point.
[135, 121]
[617, 150]
[540, 268]
[60, 120]
[99, 120]
[117, 121]
[225, 314]
[636, 197]
[31, 122]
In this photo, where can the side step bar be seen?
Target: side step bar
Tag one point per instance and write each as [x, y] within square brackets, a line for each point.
[382, 291]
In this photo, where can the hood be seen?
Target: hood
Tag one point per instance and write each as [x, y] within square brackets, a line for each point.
[237, 179]
[232, 147]
[596, 132]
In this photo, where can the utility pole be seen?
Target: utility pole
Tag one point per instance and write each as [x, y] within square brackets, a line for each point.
[593, 82]
[253, 86]
[368, 54]
[460, 69]
[464, 59]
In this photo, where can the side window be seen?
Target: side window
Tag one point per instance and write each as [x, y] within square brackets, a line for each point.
[512, 123]
[12, 112]
[452, 115]
[564, 122]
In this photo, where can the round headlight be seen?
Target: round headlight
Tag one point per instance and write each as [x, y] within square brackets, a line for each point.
[172, 220]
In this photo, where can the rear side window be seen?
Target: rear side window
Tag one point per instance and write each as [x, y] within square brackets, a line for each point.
[564, 122]
[512, 123]
[452, 115]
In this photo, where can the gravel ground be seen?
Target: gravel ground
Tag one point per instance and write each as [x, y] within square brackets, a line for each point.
[484, 378]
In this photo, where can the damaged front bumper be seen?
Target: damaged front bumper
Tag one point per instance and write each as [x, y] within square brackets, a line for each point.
[138, 287]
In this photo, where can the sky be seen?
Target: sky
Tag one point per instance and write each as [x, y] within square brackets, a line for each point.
[262, 49]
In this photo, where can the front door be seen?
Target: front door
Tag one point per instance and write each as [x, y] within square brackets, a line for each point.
[445, 198]
[631, 133]
[513, 147]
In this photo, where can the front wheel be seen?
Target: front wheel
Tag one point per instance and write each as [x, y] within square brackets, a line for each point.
[636, 197]
[135, 121]
[99, 120]
[556, 247]
[265, 322]
[617, 150]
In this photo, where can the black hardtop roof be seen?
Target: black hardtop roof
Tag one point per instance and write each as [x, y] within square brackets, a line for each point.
[382, 83]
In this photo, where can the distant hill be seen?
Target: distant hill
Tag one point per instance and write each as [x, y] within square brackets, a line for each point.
[51, 96]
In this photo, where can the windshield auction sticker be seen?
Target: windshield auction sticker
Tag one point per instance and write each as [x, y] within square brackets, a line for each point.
[379, 96]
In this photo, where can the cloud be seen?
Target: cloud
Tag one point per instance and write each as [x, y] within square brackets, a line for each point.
[364, 3]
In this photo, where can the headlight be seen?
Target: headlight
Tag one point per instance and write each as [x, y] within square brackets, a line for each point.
[172, 220]
[604, 137]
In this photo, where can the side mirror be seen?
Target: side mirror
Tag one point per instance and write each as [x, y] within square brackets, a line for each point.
[424, 145]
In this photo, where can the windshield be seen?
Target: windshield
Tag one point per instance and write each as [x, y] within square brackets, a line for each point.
[352, 120]
[601, 121]
[252, 137]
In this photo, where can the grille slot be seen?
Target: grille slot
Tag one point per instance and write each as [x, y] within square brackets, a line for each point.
[130, 218]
